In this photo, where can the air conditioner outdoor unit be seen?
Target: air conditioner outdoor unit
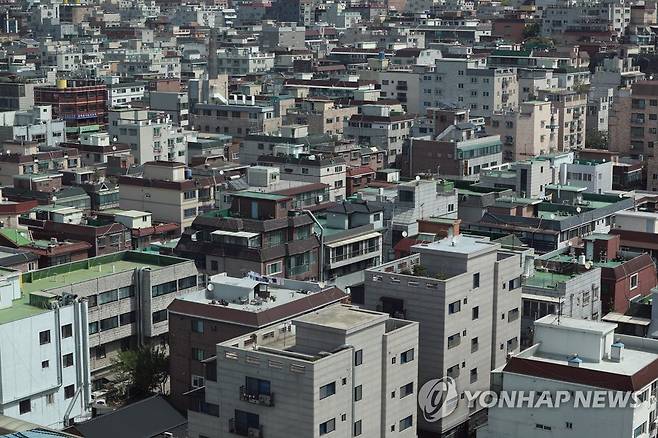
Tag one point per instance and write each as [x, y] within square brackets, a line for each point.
[319, 198]
[264, 399]
[253, 432]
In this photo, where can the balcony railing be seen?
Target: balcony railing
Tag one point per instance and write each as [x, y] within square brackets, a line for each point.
[244, 429]
[351, 254]
[297, 270]
[257, 399]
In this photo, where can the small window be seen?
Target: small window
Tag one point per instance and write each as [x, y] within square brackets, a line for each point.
[407, 356]
[197, 326]
[476, 280]
[45, 364]
[634, 281]
[358, 358]
[357, 428]
[328, 426]
[67, 360]
[407, 389]
[100, 352]
[358, 393]
[475, 312]
[25, 406]
[69, 391]
[44, 337]
[327, 390]
[67, 331]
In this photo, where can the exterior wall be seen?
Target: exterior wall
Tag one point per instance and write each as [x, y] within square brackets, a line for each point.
[23, 376]
[506, 308]
[596, 177]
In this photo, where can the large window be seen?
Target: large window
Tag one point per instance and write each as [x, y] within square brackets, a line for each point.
[109, 323]
[108, 297]
[126, 292]
[328, 426]
[406, 423]
[327, 390]
[127, 318]
[163, 289]
[187, 282]
[159, 316]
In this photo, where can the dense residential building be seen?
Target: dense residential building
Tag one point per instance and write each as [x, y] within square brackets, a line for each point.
[465, 293]
[339, 369]
[33, 125]
[569, 110]
[605, 361]
[201, 320]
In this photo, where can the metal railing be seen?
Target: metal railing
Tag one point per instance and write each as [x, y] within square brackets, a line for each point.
[351, 254]
[245, 429]
[255, 398]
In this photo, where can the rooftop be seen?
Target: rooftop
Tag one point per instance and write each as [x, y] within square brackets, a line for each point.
[341, 317]
[547, 280]
[459, 244]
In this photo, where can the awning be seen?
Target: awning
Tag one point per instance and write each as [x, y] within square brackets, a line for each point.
[352, 240]
[543, 298]
[626, 319]
[244, 234]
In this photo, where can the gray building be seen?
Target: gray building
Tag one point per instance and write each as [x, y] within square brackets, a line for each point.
[127, 294]
[465, 293]
[288, 35]
[172, 103]
[35, 124]
[341, 370]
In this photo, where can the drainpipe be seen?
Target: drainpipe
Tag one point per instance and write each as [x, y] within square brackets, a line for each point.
[321, 257]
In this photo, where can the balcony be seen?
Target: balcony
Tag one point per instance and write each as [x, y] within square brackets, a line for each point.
[352, 254]
[245, 429]
[257, 399]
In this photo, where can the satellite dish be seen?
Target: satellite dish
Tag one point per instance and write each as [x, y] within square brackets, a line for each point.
[417, 177]
[348, 291]
[552, 216]
[578, 209]
[210, 286]
[405, 234]
[221, 172]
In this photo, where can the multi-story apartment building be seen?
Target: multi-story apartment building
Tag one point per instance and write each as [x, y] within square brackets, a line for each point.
[34, 125]
[379, 125]
[17, 95]
[122, 93]
[578, 357]
[244, 60]
[46, 369]
[594, 175]
[470, 84]
[152, 136]
[197, 323]
[465, 293]
[569, 110]
[291, 140]
[127, 295]
[313, 169]
[167, 190]
[340, 370]
[258, 234]
[236, 118]
[616, 73]
[323, 116]
[81, 103]
[277, 35]
[175, 104]
[600, 17]
[24, 158]
[599, 103]
[528, 178]
[533, 80]
[526, 132]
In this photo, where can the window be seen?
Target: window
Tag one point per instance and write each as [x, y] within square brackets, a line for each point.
[92, 300]
[475, 312]
[44, 337]
[476, 280]
[197, 381]
[100, 352]
[327, 390]
[50, 399]
[187, 282]
[454, 340]
[69, 391]
[67, 331]
[45, 364]
[474, 375]
[93, 327]
[109, 323]
[358, 393]
[198, 354]
[190, 194]
[24, 406]
[407, 356]
[163, 289]
[197, 326]
[406, 423]
[357, 428]
[189, 212]
[407, 389]
[67, 360]
[108, 297]
[569, 425]
[127, 318]
[634, 281]
[358, 358]
[328, 426]
[474, 345]
[275, 268]
[126, 292]
[159, 316]
[454, 307]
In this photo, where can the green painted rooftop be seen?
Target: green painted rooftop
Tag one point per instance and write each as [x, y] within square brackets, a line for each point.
[20, 309]
[18, 237]
[259, 195]
[547, 279]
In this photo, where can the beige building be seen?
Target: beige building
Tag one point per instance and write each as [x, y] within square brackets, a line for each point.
[570, 112]
[321, 115]
[526, 132]
[168, 192]
[238, 117]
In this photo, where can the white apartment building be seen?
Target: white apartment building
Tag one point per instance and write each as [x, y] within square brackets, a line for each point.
[599, 101]
[469, 83]
[578, 356]
[152, 136]
[33, 125]
[122, 93]
[244, 60]
[569, 109]
[526, 132]
[44, 374]
[465, 293]
[595, 176]
[533, 80]
[339, 371]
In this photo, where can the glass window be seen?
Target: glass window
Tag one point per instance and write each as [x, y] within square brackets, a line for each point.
[108, 297]
[327, 390]
[187, 282]
[164, 288]
[109, 323]
[358, 357]
[407, 356]
[67, 331]
[406, 423]
[159, 316]
[328, 426]
[126, 292]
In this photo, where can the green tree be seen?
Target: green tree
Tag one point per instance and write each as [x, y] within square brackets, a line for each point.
[596, 140]
[531, 30]
[146, 369]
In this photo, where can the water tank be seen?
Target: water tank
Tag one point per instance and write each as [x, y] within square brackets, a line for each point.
[61, 84]
[188, 173]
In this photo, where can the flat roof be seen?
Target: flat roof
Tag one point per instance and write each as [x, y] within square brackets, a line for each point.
[20, 308]
[89, 269]
[259, 195]
[340, 317]
[459, 244]
[547, 280]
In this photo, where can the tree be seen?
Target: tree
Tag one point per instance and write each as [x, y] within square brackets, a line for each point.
[146, 369]
[531, 30]
[596, 140]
